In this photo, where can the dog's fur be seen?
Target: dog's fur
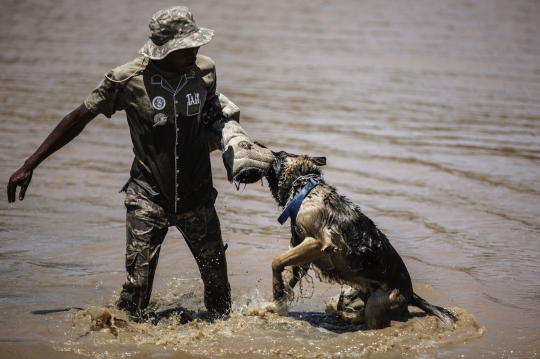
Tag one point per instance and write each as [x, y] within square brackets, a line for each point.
[343, 245]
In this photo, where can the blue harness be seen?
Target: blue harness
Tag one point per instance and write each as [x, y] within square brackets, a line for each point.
[294, 206]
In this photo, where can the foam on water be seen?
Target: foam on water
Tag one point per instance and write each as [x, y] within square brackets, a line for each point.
[254, 328]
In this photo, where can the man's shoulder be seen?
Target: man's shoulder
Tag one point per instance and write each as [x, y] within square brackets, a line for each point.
[123, 72]
[205, 63]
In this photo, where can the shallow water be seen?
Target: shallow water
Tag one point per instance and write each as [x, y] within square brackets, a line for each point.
[428, 114]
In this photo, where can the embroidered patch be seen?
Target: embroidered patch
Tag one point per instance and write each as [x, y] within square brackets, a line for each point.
[159, 103]
[160, 119]
[193, 104]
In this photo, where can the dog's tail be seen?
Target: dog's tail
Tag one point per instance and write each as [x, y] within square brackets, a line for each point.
[446, 317]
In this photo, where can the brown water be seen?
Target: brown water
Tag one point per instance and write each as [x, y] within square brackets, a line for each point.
[428, 113]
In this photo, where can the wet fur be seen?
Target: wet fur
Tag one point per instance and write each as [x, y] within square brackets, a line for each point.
[342, 245]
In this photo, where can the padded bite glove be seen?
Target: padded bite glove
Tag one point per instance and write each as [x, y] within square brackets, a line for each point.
[245, 161]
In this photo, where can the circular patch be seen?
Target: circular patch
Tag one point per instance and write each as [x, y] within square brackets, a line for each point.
[160, 119]
[159, 103]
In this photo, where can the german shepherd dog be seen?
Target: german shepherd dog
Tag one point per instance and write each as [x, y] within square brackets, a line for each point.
[341, 244]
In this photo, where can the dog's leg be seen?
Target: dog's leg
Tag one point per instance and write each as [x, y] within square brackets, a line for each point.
[383, 305]
[291, 276]
[377, 308]
[306, 252]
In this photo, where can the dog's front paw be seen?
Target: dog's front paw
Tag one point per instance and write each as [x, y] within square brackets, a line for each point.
[281, 307]
[288, 293]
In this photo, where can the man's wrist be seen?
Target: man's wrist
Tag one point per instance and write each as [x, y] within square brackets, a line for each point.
[30, 164]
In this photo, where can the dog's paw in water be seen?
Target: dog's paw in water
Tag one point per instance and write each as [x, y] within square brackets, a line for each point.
[279, 307]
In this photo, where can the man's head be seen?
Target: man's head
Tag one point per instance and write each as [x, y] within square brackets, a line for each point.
[179, 61]
[174, 29]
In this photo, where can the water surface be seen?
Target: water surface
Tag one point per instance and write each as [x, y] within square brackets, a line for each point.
[428, 114]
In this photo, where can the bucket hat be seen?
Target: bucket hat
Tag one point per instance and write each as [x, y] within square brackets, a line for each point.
[173, 29]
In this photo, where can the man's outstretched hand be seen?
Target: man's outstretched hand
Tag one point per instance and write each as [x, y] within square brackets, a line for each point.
[22, 178]
[64, 132]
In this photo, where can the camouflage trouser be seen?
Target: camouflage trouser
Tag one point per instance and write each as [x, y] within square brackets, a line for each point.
[146, 226]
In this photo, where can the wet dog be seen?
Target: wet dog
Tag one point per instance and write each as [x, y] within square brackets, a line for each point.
[332, 235]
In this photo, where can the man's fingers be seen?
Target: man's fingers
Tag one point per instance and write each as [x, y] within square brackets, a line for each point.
[22, 192]
[11, 191]
[17, 179]
[24, 186]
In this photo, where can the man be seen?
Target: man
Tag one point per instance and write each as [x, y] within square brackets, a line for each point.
[168, 94]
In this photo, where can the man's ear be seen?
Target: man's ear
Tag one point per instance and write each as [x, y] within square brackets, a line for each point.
[319, 161]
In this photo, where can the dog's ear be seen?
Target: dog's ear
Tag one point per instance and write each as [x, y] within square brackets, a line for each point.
[319, 161]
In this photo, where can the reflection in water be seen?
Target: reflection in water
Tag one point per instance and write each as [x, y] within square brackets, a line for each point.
[427, 113]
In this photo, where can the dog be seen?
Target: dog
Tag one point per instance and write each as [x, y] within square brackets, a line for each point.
[342, 245]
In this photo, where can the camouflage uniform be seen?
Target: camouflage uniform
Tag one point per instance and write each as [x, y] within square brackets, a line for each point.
[146, 226]
[171, 178]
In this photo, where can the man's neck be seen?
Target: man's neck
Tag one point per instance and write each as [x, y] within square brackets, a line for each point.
[167, 67]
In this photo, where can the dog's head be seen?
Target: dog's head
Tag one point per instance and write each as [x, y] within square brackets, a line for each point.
[284, 160]
[287, 167]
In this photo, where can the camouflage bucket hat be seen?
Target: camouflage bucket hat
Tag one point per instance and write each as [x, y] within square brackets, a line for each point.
[173, 29]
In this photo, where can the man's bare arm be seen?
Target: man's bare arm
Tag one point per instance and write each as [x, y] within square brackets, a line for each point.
[69, 128]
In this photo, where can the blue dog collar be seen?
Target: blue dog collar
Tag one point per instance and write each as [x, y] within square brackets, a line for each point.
[294, 206]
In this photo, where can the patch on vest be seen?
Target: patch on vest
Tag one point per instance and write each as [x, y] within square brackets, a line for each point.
[159, 103]
[160, 119]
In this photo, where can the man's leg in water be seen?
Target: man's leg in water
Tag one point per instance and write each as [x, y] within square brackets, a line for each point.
[202, 232]
[146, 227]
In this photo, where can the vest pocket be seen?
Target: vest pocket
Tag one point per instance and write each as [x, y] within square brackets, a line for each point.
[193, 109]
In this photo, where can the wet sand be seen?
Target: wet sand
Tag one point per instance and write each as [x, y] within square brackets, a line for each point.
[428, 114]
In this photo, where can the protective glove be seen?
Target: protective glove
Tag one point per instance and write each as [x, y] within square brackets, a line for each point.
[245, 161]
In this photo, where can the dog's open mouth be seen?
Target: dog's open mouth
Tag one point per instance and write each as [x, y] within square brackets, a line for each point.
[249, 175]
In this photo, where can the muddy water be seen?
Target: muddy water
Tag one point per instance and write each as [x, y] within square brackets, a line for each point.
[428, 113]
